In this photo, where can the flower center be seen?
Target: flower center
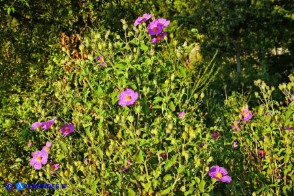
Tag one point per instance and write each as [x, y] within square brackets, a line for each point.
[39, 158]
[155, 29]
[128, 98]
[219, 175]
[66, 130]
[245, 114]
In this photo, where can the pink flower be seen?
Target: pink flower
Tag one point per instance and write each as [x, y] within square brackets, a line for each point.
[154, 27]
[246, 114]
[30, 143]
[162, 155]
[47, 146]
[39, 158]
[182, 114]
[142, 19]
[235, 144]
[261, 153]
[236, 126]
[44, 125]
[163, 22]
[101, 60]
[66, 129]
[215, 135]
[219, 173]
[127, 97]
[158, 38]
[54, 168]
[127, 167]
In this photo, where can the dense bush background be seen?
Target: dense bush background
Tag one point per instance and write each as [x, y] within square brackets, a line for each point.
[49, 69]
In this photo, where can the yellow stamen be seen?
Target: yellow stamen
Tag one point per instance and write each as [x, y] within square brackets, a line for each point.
[39, 158]
[219, 175]
[128, 98]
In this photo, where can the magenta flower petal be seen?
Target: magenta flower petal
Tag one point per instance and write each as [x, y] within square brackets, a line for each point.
[142, 19]
[127, 168]
[127, 97]
[37, 166]
[246, 114]
[213, 170]
[219, 173]
[235, 144]
[66, 129]
[215, 135]
[158, 38]
[101, 60]
[36, 125]
[261, 153]
[163, 22]
[162, 155]
[223, 171]
[39, 158]
[55, 166]
[48, 144]
[45, 148]
[46, 125]
[288, 128]
[226, 179]
[182, 114]
[154, 27]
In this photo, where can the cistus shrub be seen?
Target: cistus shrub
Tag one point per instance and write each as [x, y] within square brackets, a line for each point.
[126, 120]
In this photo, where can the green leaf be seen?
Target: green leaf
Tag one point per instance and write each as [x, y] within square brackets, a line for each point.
[172, 106]
[18, 160]
[121, 66]
[146, 186]
[99, 92]
[166, 191]
[60, 157]
[182, 72]
[87, 129]
[167, 178]
[143, 47]
[201, 186]
[171, 162]
[89, 191]
[157, 99]
[181, 168]
[131, 192]
[139, 156]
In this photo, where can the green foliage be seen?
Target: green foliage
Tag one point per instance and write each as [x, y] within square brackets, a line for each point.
[165, 151]
[106, 134]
